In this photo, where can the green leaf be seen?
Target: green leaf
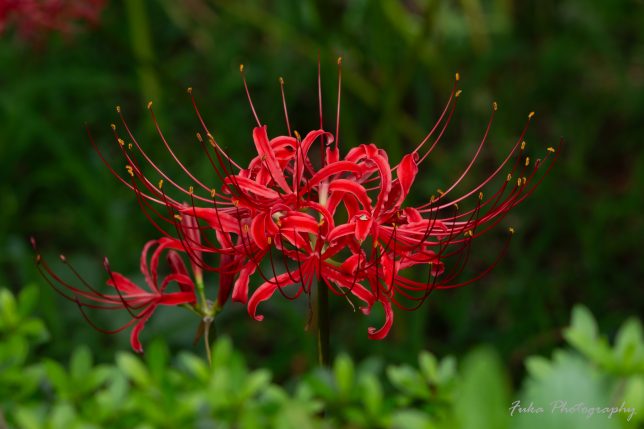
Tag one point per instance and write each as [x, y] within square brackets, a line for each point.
[8, 310]
[157, 356]
[405, 419]
[629, 347]
[409, 381]
[134, 369]
[222, 352]
[80, 364]
[195, 366]
[428, 366]
[34, 329]
[446, 370]
[571, 380]
[30, 417]
[256, 382]
[63, 416]
[371, 394]
[582, 334]
[483, 392]
[27, 300]
[538, 367]
[344, 374]
[633, 399]
[58, 378]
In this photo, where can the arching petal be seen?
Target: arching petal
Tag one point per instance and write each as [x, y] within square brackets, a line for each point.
[379, 334]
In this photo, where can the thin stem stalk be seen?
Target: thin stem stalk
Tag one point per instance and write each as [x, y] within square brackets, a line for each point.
[324, 358]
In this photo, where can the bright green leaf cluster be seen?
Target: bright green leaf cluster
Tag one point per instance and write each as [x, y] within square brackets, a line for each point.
[156, 391]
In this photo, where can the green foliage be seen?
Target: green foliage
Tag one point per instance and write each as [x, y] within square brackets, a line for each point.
[157, 391]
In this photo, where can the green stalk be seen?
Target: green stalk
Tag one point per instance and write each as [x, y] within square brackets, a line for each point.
[324, 358]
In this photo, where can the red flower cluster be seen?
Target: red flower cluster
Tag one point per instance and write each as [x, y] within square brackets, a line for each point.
[34, 18]
[299, 212]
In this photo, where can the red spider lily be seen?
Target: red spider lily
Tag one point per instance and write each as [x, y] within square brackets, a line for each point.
[139, 302]
[299, 212]
[34, 18]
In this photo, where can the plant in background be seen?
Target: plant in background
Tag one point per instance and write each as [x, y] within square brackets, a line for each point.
[307, 220]
[161, 391]
[35, 18]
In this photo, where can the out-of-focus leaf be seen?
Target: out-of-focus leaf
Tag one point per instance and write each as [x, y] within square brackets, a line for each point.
[562, 393]
[634, 400]
[483, 392]
[134, 369]
[629, 347]
[344, 374]
[583, 335]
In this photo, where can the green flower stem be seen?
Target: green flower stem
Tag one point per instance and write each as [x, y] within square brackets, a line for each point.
[324, 358]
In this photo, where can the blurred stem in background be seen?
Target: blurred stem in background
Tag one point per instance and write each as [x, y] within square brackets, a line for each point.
[324, 358]
[142, 49]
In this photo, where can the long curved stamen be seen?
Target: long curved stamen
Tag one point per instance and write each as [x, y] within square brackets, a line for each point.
[250, 101]
[337, 115]
[288, 124]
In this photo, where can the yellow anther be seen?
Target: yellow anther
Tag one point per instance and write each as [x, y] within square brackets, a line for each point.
[199, 137]
[457, 76]
[530, 115]
[523, 145]
[519, 181]
[321, 222]
[527, 161]
[468, 233]
[269, 240]
[129, 146]
[246, 228]
[189, 90]
[440, 192]
[241, 68]
[118, 109]
[281, 79]
[191, 190]
[509, 177]
[480, 195]
[297, 135]
[211, 139]
[149, 104]
[551, 149]
[177, 217]
[511, 230]
[113, 127]
[213, 192]
[456, 206]
[524, 180]
[495, 106]
[121, 142]
[339, 60]
[161, 184]
[235, 203]
[376, 244]
[279, 223]
[432, 199]
[458, 93]
[130, 170]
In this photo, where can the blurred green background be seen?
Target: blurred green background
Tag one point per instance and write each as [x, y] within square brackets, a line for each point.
[578, 64]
